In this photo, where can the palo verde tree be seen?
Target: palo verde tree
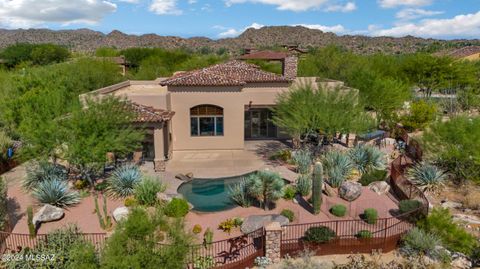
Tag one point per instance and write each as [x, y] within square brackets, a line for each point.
[317, 186]
[306, 109]
[103, 126]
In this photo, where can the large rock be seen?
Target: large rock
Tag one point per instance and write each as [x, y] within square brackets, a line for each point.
[183, 177]
[120, 213]
[451, 205]
[47, 213]
[255, 222]
[350, 191]
[379, 187]
[460, 261]
[331, 192]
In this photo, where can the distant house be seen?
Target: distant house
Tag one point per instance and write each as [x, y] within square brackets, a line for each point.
[214, 108]
[120, 61]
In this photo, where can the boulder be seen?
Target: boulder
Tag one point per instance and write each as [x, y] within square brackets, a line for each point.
[379, 187]
[255, 222]
[460, 261]
[47, 213]
[331, 192]
[183, 177]
[350, 191]
[120, 213]
[165, 197]
[451, 204]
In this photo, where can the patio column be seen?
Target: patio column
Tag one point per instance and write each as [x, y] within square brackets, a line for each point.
[159, 144]
[273, 241]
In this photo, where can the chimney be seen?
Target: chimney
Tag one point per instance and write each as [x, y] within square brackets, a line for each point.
[290, 66]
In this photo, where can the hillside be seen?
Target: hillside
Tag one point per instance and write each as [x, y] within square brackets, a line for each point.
[89, 40]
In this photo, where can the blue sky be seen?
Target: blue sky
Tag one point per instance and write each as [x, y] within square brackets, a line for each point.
[228, 18]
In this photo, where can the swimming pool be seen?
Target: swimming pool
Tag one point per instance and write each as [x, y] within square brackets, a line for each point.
[210, 195]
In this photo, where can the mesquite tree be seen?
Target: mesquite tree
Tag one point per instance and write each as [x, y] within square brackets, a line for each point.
[317, 187]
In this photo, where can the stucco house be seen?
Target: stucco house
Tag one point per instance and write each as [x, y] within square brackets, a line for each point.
[214, 108]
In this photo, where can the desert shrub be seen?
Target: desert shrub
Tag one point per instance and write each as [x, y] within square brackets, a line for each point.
[419, 242]
[304, 185]
[370, 215]
[427, 176]
[203, 262]
[5, 143]
[338, 167]
[366, 158]
[197, 228]
[283, 155]
[145, 192]
[373, 176]
[123, 180]
[42, 171]
[228, 225]
[80, 184]
[262, 262]
[289, 192]
[472, 200]
[102, 186]
[237, 221]
[303, 159]
[303, 261]
[364, 234]
[55, 192]
[319, 234]
[421, 113]
[453, 236]
[208, 237]
[130, 201]
[239, 193]
[177, 208]
[287, 213]
[65, 244]
[3, 204]
[409, 205]
[338, 210]
[134, 243]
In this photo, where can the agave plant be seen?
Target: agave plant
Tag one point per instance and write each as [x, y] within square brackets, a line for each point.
[43, 171]
[304, 184]
[338, 167]
[303, 159]
[367, 158]
[240, 195]
[427, 176]
[123, 180]
[55, 192]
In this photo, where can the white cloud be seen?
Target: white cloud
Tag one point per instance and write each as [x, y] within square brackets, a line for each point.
[348, 7]
[165, 7]
[292, 5]
[231, 32]
[415, 13]
[130, 1]
[397, 3]
[191, 2]
[338, 29]
[467, 25]
[29, 13]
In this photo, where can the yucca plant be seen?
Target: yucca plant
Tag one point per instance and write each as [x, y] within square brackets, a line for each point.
[304, 184]
[43, 171]
[266, 186]
[338, 167]
[367, 158]
[55, 192]
[427, 176]
[303, 159]
[123, 180]
[239, 193]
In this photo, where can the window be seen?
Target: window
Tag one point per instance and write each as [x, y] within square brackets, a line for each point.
[206, 120]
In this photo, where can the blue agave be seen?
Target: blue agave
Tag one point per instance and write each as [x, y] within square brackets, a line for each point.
[55, 192]
[123, 180]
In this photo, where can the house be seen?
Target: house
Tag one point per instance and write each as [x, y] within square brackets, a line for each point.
[214, 108]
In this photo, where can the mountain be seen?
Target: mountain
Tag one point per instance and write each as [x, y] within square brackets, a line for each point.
[89, 40]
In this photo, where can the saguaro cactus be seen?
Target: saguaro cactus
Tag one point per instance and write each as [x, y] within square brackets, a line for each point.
[317, 186]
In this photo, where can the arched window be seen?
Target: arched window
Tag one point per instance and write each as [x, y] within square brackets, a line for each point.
[206, 120]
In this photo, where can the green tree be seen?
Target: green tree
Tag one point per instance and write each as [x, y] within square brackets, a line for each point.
[454, 145]
[266, 186]
[102, 126]
[306, 109]
[134, 244]
[106, 52]
[44, 54]
[317, 186]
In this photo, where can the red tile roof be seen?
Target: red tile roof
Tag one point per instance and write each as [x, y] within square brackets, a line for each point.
[150, 114]
[233, 73]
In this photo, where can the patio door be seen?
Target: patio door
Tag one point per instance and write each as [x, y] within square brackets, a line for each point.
[258, 124]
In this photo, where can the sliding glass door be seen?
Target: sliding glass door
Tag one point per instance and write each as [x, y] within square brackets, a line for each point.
[258, 124]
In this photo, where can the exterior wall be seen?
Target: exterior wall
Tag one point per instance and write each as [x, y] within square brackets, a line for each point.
[233, 100]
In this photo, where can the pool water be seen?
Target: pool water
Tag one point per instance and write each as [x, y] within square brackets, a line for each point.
[210, 195]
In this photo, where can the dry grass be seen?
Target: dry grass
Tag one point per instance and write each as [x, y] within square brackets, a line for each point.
[472, 200]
